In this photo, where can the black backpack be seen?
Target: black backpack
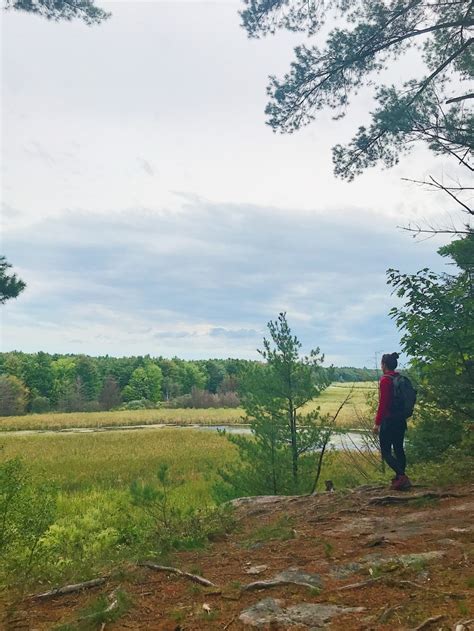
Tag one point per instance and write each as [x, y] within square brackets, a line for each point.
[404, 396]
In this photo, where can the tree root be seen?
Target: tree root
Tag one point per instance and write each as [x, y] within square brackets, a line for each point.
[428, 621]
[174, 570]
[385, 500]
[361, 584]
[69, 589]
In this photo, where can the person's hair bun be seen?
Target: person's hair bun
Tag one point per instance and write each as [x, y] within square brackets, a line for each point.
[395, 355]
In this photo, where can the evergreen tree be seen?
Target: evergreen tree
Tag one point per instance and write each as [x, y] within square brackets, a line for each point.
[281, 455]
[10, 285]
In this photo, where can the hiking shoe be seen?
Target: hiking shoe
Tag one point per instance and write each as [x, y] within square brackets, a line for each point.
[402, 484]
[405, 483]
[394, 484]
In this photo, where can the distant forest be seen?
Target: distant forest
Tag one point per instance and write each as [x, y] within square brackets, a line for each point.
[40, 382]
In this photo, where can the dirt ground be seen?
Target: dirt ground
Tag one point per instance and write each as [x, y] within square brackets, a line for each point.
[403, 564]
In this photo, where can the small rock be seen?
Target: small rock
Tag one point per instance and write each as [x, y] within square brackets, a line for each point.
[256, 569]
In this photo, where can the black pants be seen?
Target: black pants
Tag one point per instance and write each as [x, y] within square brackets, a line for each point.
[392, 434]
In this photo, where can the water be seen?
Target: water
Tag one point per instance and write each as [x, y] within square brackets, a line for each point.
[348, 439]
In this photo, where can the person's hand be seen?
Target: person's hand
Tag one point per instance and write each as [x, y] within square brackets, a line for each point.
[375, 429]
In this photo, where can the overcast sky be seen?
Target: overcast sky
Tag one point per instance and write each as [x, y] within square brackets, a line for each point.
[151, 210]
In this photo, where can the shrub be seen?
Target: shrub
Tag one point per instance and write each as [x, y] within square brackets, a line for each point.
[39, 405]
[139, 404]
[27, 509]
[203, 399]
[173, 527]
[433, 432]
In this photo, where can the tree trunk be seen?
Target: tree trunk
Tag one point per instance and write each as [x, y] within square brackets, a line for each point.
[294, 446]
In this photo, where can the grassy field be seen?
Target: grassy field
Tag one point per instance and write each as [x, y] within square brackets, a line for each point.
[328, 402]
[110, 461]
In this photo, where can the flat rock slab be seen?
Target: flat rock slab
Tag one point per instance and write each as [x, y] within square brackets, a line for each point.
[312, 615]
[291, 576]
[377, 561]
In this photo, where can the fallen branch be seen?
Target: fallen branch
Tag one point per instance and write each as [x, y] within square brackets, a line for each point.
[174, 570]
[361, 584]
[428, 621]
[401, 499]
[69, 589]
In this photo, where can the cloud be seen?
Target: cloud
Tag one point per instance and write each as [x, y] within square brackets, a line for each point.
[203, 281]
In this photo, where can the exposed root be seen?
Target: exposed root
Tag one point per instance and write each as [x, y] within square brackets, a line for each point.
[174, 570]
[69, 589]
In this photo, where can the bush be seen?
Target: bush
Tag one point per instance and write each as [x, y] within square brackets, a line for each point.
[433, 432]
[140, 404]
[39, 405]
[174, 528]
[27, 509]
[203, 399]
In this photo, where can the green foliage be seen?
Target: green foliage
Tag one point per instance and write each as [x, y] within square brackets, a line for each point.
[13, 396]
[83, 383]
[87, 373]
[140, 404]
[27, 509]
[10, 285]
[455, 466]
[174, 527]
[145, 383]
[369, 36]
[58, 10]
[433, 432]
[437, 321]
[284, 437]
[39, 405]
[98, 612]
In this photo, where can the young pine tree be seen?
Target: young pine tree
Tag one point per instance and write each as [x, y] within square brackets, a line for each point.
[281, 455]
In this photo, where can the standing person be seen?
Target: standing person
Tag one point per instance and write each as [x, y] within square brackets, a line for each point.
[391, 424]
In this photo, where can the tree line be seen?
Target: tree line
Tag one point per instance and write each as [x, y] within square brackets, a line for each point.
[42, 382]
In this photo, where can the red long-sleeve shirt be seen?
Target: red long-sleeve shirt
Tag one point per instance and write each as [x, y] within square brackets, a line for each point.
[385, 396]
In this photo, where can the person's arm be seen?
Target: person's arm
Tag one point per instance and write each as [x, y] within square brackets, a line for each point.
[384, 402]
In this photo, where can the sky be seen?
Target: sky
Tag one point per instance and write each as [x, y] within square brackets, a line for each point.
[150, 209]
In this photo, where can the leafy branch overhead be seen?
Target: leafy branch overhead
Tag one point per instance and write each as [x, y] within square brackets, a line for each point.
[10, 285]
[57, 10]
[436, 108]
